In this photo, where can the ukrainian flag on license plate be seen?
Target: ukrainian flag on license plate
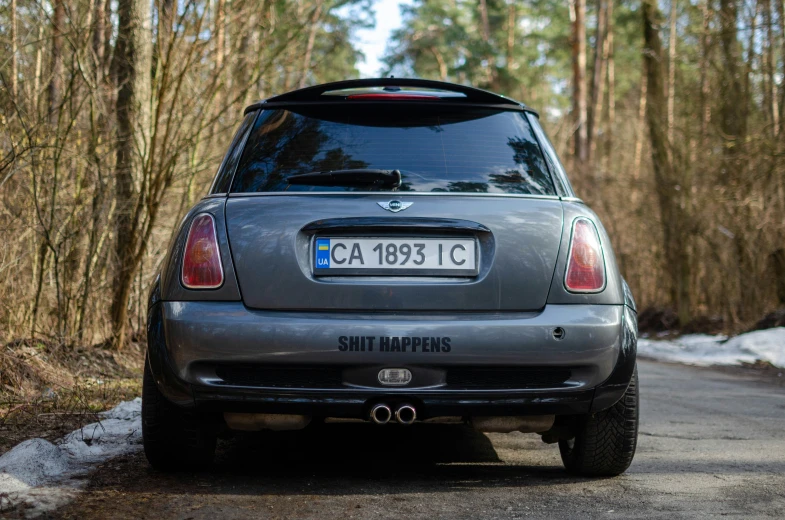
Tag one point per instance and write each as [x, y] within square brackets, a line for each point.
[322, 253]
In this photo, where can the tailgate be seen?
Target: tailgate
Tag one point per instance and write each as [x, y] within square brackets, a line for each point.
[274, 239]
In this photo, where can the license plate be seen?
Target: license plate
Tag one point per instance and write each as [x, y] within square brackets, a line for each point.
[395, 256]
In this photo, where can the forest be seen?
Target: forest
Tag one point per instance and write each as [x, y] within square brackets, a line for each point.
[114, 116]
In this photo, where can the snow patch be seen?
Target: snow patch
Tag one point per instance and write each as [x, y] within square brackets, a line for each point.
[700, 349]
[37, 476]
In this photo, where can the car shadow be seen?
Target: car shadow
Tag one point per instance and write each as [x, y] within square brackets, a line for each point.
[335, 460]
[360, 458]
[258, 471]
[361, 444]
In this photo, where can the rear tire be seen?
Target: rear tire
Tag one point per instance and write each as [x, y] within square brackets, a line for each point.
[605, 442]
[174, 438]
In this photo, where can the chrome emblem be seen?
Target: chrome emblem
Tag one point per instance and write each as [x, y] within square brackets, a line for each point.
[395, 205]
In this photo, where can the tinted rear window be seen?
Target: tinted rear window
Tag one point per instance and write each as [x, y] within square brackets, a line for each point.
[436, 149]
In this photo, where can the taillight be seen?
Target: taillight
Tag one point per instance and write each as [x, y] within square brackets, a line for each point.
[585, 263]
[202, 260]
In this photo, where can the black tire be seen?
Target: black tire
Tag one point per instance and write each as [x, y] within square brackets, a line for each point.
[605, 442]
[174, 438]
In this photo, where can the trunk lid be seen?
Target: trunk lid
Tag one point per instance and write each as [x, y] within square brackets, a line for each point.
[273, 236]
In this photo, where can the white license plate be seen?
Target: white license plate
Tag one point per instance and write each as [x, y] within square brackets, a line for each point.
[395, 256]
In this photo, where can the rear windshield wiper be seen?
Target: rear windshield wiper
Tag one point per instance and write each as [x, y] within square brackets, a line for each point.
[357, 177]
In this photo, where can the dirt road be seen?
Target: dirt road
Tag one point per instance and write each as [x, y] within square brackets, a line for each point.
[711, 444]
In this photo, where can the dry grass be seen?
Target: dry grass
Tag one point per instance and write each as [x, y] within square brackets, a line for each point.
[47, 391]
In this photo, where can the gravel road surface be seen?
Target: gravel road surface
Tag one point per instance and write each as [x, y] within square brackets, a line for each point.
[711, 444]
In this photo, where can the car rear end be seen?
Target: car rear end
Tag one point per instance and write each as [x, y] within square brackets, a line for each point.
[409, 252]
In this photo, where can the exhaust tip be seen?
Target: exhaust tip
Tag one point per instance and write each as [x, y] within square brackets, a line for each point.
[381, 414]
[406, 414]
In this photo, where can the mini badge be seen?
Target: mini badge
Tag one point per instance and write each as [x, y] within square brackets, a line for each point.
[323, 253]
[394, 205]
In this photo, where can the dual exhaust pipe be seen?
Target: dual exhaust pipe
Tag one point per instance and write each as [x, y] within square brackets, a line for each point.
[382, 414]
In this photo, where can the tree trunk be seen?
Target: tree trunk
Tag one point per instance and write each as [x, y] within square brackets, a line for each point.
[777, 263]
[486, 28]
[40, 260]
[672, 71]
[705, 111]
[92, 241]
[611, 88]
[165, 21]
[132, 62]
[638, 153]
[247, 28]
[771, 70]
[486, 38]
[99, 19]
[312, 28]
[247, 65]
[672, 214]
[14, 71]
[512, 16]
[733, 108]
[39, 59]
[578, 15]
[108, 30]
[781, 16]
[56, 78]
[440, 62]
[598, 78]
[750, 64]
[220, 33]
[733, 125]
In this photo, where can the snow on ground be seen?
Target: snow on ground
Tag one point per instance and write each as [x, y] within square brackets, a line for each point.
[699, 349]
[41, 476]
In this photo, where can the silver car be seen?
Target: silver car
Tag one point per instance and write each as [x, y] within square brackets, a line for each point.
[391, 251]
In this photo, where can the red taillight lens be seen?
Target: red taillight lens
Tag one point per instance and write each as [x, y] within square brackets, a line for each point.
[585, 263]
[202, 260]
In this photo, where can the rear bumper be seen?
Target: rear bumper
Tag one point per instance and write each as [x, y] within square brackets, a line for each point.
[189, 341]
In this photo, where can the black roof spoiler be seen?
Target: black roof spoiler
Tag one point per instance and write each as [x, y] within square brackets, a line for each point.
[313, 94]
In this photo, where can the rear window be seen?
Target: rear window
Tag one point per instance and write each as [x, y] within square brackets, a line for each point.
[436, 149]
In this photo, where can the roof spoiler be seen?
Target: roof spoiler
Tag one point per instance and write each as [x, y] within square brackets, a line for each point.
[313, 94]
